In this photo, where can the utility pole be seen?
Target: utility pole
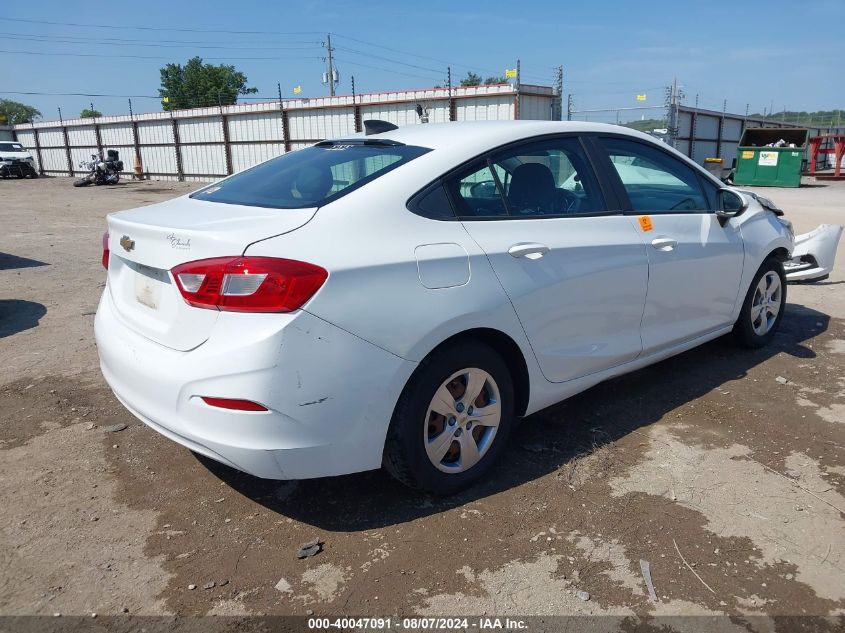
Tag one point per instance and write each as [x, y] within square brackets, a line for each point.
[557, 104]
[452, 113]
[569, 107]
[518, 89]
[672, 112]
[329, 64]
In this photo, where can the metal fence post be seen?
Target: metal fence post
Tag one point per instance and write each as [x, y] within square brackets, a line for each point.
[67, 145]
[178, 147]
[227, 148]
[137, 168]
[37, 149]
[99, 138]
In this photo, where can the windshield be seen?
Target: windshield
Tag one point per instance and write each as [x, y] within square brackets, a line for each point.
[11, 147]
[313, 176]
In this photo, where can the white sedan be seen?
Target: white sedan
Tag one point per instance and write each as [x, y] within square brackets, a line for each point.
[401, 297]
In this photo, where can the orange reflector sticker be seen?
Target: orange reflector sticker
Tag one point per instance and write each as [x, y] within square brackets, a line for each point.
[645, 223]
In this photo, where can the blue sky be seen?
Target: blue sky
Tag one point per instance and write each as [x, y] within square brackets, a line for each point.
[752, 52]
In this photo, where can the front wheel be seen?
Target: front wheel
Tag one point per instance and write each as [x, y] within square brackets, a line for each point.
[82, 182]
[763, 307]
[452, 420]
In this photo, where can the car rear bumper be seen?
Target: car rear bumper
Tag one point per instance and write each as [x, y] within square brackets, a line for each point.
[329, 393]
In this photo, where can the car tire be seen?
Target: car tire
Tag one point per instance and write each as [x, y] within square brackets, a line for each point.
[763, 307]
[471, 437]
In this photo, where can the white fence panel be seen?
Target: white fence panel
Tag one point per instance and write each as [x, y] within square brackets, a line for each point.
[82, 135]
[158, 160]
[51, 137]
[256, 127]
[201, 130]
[485, 109]
[314, 125]
[247, 155]
[204, 160]
[150, 132]
[396, 113]
[54, 160]
[116, 134]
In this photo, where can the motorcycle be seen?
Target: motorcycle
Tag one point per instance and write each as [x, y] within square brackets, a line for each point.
[100, 171]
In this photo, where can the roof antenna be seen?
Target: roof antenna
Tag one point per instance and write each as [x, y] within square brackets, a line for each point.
[374, 126]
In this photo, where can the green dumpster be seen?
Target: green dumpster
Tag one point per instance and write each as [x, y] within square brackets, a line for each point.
[770, 157]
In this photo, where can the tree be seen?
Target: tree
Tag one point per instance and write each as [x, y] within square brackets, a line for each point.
[196, 85]
[471, 79]
[12, 112]
[89, 113]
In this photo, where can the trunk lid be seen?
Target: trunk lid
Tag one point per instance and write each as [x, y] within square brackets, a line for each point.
[145, 243]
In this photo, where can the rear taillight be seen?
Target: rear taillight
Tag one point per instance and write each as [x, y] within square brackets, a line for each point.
[105, 259]
[248, 284]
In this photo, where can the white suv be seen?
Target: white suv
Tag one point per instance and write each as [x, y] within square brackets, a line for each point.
[16, 161]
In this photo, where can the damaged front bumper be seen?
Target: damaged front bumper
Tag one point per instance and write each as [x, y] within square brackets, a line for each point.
[814, 254]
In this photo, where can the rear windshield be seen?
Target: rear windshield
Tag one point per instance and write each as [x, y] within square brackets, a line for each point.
[311, 177]
[11, 147]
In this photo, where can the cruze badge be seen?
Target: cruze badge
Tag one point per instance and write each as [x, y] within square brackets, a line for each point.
[127, 243]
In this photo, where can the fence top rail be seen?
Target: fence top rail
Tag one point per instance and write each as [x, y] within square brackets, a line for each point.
[751, 119]
[305, 103]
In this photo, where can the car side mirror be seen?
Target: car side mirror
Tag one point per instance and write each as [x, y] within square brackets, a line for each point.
[731, 204]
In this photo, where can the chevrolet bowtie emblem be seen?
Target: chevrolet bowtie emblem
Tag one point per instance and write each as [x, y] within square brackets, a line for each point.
[126, 243]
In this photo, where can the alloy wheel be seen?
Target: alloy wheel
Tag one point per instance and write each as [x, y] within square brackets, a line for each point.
[766, 303]
[462, 420]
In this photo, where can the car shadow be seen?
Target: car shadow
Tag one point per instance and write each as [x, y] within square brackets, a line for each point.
[17, 315]
[12, 262]
[541, 444]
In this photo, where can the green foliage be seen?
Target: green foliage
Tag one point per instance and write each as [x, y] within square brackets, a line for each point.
[474, 79]
[471, 79]
[88, 113]
[13, 112]
[197, 85]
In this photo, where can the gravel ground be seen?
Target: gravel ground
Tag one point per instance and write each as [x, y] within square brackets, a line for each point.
[723, 469]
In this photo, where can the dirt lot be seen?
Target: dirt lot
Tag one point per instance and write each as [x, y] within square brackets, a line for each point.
[711, 458]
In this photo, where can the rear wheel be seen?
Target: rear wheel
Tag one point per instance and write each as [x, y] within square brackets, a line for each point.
[763, 307]
[452, 420]
[82, 182]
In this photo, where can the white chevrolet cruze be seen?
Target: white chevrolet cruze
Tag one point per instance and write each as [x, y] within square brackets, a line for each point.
[401, 297]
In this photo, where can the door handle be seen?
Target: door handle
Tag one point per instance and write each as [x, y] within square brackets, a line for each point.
[529, 250]
[664, 243]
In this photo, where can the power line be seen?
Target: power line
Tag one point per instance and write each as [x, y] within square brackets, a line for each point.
[130, 40]
[387, 59]
[156, 28]
[387, 70]
[104, 42]
[277, 57]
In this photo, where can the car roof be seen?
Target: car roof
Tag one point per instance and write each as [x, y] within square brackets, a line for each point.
[491, 133]
[456, 142]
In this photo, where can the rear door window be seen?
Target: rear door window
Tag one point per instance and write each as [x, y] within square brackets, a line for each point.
[655, 181]
[311, 177]
[550, 177]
